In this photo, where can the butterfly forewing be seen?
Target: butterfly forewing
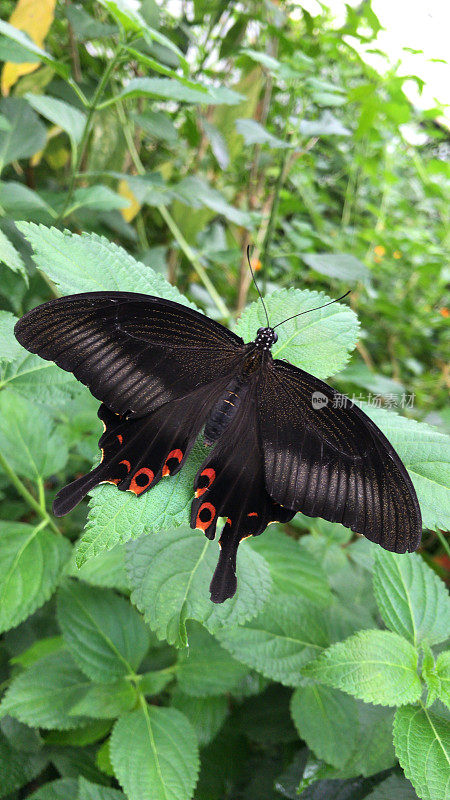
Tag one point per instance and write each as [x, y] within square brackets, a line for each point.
[325, 457]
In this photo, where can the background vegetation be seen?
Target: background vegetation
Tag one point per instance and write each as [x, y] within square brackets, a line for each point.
[182, 137]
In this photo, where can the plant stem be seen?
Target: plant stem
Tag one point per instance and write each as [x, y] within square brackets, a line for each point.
[190, 254]
[76, 164]
[27, 496]
[443, 542]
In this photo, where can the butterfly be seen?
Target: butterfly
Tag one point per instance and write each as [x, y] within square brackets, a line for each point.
[279, 442]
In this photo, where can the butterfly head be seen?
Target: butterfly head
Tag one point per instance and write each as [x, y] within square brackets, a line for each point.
[265, 338]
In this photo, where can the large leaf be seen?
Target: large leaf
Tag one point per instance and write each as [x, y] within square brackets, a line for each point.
[396, 787]
[195, 191]
[437, 676]
[25, 135]
[293, 569]
[9, 347]
[38, 380]
[56, 790]
[343, 266]
[255, 133]
[205, 669]
[92, 791]
[422, 744]
[206, 714]
[20, 202]
[426, 454]
[106, 700]
[28, 440]
[170, 573]
[10, 257]
[90, 263]
[376, 666]
[328, 721]
[412, 600]
[104, 633]
[171, 89]
[44, 694]
[62, 114]
[319, 342]
[154, 754]
[31, 563]
[280, 640]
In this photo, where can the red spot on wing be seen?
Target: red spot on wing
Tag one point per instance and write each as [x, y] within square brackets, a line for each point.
[208, 512]
[127, 464]
[209, 473]
[141, 480]
[252, 514]
[120, 438]
[178, 454]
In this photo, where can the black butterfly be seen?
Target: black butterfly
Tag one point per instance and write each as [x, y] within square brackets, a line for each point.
[164, 371]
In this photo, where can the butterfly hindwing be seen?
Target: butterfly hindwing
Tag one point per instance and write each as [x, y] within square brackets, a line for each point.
[332, 461]
[230, 484]
[134, 352]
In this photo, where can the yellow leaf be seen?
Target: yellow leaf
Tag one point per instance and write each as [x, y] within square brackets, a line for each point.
[34, 17]
[130, 212]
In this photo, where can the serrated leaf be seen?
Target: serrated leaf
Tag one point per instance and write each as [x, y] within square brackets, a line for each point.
[38, 380]
[25, 135]
[204, 668]
[92, 791]
[44, 694]
[107, 569]
[16, 767]
[90, 263]
[327, 720]
[379, 667]
[11, 258]
[28, 440]
[170, 574]
[9, 347]
[115, 517]
[104, 633]
[66, 116]
[319, 342]
[89, 733]
[206, 714]
[294, 571]
[20, 202]
[412, 600]
[374, 751]
[282, 638]
[31, 563]
[437, 676]
[396, 787]
[106, 700]
[56, 790]
[425, 453]
[162, 764]
[422, 744]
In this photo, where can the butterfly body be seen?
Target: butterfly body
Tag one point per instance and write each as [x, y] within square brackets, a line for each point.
[164, 372]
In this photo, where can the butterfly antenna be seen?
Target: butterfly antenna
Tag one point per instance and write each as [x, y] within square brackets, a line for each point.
[257, 287]
[313, 309]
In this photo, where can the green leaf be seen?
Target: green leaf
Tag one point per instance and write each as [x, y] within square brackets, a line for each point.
[31, 563]
[162, 763]
[422, 744]
[16, 767]
[90, 263]
[170, 574]
[328, 721]
[326, 125]
[437, 676]
[26, 134]
[195, 191]
[62, 114]
[40, 648]
[38, 380]
[343, 266]
[396, 787]
[100, 198]
[9, 346]
[106, 700]
[171, 89]
[292, 568]
[10, 257]
[255, 133]
[374, 751]
[280, 640]
[413, 602]
[377, 666]
[426, 454]
[89, 733]
[23, 40]
[20, 202]
[157, 124]
[206, 714]
[115, 517]
[92, 791]
[45, 693]
[104, 633]
[28, 439]
[319, 342]
[204, 668]
[107, 569]
[56, 790]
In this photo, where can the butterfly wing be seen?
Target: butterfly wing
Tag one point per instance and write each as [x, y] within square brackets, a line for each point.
[135, 352]
[333, 461]
[230, 483]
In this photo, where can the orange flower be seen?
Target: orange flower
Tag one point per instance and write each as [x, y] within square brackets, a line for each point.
[379, 250]
[397, 254]
[256, 264]
[444, 312]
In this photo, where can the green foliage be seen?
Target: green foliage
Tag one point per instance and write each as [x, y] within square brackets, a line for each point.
[143, 154]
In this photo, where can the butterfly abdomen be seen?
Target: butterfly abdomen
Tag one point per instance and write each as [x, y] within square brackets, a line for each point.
[223, 411]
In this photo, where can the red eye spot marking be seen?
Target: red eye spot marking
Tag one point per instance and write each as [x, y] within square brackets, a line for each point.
[120, 438]
[228, 522]
[205, 516]
[252, 514]
[205, 480]
[141, 480]
[127, 464]
[177, 454]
